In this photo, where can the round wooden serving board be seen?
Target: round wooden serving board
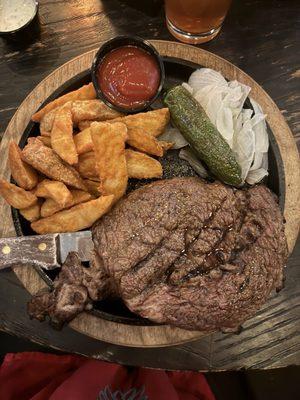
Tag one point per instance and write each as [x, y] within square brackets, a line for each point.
[152, 335]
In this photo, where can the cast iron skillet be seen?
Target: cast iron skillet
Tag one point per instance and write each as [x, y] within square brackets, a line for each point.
[177, 71]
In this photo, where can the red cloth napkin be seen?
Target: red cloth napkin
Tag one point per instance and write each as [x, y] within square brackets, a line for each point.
[39, 376]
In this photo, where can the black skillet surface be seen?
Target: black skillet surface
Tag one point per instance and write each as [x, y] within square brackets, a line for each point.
[177, 71]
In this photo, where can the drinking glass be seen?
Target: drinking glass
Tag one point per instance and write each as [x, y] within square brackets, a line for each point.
[195, 21]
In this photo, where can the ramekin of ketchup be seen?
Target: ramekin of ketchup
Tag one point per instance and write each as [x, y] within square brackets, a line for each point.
[128, 74]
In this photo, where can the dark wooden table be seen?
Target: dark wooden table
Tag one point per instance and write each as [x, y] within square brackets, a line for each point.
[260, 36]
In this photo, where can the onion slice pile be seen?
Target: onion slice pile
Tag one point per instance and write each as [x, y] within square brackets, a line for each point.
[244, 129]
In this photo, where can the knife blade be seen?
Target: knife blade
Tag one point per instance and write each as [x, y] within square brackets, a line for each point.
[46, 251]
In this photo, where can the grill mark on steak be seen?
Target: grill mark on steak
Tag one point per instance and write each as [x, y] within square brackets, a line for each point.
[212, 258]
[144, 259]
[161, 275]
[184, 252]
[206, 225]
[216, 259]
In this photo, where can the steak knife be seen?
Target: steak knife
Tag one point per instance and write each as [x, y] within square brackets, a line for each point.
[46, 251]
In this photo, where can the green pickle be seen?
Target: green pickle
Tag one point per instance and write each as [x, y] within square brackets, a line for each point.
[206, 141]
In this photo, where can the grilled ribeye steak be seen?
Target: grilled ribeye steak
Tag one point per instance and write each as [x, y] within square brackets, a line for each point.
[194, 254]
[197, 255]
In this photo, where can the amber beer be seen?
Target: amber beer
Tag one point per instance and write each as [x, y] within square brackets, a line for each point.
[195, 21]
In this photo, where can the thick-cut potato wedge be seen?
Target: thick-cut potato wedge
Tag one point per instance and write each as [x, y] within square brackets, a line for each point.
[152, 122]
[87, 166]
[32, 213]
[15, 196]
[137, 138]
[56, 191]
[145, 142]
[93, 187]
[94, 110]
[86, 92]
[74, 219]
[166, 145]
[50, 206]
[83, 141]
[46, 140]
[142, 129]
[82, 125]
[47, 121]
[62, 135]
[25, 176]
[48, 163]
[141, 166]
[109, 144]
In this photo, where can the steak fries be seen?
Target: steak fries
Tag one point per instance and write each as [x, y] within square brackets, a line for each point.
[61, 173]
[109, 145]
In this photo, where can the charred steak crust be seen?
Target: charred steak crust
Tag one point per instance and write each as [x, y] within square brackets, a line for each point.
[193, 254]
[73, 291]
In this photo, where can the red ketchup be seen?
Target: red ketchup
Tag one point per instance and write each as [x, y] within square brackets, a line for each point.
[128, 77]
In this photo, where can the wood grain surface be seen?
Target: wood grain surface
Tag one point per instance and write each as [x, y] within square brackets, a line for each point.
[73, 28]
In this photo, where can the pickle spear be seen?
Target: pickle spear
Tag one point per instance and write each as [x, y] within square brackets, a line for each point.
[206, 141]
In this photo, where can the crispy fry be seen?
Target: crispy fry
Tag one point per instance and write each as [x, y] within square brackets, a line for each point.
[86, 92]
[151, 122]
[56, 191]
[166, 145]
[87, 166]
[62, 135]
[25, 176]
[109, 143]
[48, 163]
[76, 218]
[145, 142]
[82, 125]
[142, 129]
[47, 121]
[15, 196]
[32, 213]
[94, 110]
[141, 166]
[51, 207]
[46, 140]
[83, 141]
[93, 187]
[136, 138]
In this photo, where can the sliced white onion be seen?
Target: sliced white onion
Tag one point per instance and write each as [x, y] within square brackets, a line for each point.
[260, 128]
[188, 155]
[257, 161]
[224, 124]
[236, 95]
[173, 135]
[244, 147]
[265, 161]
[205, 76]
[244, 130]
[187, 87]
[256, 176]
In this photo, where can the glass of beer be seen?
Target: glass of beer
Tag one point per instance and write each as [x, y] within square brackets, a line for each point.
[195, 21]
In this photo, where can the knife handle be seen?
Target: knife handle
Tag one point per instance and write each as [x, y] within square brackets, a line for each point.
[40, 250]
